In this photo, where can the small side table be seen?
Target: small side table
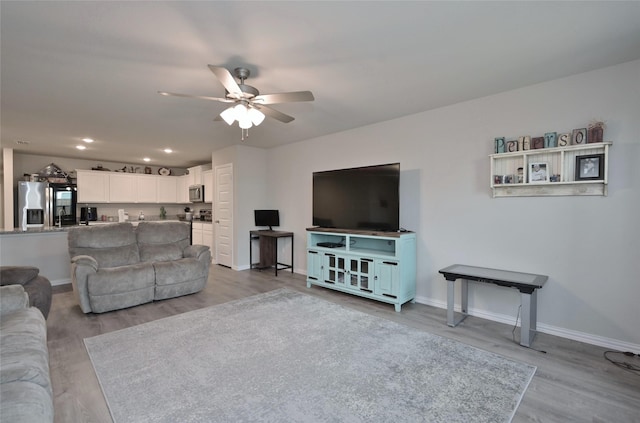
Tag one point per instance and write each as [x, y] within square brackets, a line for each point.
[269, 250]
[526, 283]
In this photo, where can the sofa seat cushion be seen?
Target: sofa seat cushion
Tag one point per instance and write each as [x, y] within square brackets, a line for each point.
[25, 402]
[171, 272]
[121, 287]
[179, 277]
[24, 355]
[111, 245]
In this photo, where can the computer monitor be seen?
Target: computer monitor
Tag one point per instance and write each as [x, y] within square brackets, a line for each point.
[268, 218]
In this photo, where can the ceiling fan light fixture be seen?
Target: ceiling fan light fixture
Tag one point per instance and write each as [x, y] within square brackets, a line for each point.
[256, 116]
[240, 110]
[229, 115]
[245, 123]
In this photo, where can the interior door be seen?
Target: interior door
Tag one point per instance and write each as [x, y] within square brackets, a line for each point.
[224, 214]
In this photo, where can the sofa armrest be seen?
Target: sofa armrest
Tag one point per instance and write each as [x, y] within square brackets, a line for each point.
[12, 298]
[85, 261]
[195, 251]
[81, 267]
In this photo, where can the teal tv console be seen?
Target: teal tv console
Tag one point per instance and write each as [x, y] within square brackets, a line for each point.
[376, 265]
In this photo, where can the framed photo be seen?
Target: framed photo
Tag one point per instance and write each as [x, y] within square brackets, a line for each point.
[538, 173]
[590, 167]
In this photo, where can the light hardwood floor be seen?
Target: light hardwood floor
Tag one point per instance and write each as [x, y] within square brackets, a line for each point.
[573, 382]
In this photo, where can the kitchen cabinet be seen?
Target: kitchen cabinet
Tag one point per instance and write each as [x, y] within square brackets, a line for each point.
[167, 189]
[202, 234]
[118, 187]
[183, 189]
[123, 188]
[147, 188]
[208, 186]
[93, 186]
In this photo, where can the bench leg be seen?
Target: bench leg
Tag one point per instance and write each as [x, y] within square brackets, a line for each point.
[451, 319]
[529, 317]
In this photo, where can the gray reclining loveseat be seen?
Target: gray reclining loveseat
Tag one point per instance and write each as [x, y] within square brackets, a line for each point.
[116, 266]
[26, 394]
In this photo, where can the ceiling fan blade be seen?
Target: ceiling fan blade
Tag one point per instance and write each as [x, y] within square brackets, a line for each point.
[203, 97]
[284, 97]
[226, 79]
[273, 113]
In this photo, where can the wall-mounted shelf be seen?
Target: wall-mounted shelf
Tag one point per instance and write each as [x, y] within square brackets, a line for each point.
[561, 163]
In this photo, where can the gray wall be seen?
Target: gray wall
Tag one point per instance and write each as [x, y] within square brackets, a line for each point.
[587, 245]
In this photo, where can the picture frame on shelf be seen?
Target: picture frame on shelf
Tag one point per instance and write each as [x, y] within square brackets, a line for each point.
[538, 172]
[589, 167]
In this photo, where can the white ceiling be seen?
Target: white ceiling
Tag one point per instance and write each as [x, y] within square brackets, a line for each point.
[92, 69]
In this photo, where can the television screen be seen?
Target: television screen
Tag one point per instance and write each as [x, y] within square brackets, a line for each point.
[358, 198]
[268, 218]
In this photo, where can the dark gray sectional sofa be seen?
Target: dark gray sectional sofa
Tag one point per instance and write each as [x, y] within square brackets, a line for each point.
[115, 266]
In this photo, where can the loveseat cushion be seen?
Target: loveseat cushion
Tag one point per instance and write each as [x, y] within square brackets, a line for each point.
[25, 402]
[24, 355]
[162, 241]
[112, 245]
[168, 273]
[17, 275]
[180, 277]
[161, 252]
[121, 287]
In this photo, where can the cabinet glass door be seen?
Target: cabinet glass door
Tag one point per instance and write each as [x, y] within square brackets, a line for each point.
[360, 274]
[336, 270]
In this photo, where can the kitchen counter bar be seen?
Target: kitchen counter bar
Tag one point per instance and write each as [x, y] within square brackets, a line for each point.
[66, 228]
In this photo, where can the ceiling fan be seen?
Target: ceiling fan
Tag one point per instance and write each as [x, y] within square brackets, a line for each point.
[248, 107]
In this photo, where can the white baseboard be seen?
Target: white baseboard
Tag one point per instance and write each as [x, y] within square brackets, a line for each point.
[60, 282]
[587, 338]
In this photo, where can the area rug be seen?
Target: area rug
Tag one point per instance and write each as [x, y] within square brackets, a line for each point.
[285, 356]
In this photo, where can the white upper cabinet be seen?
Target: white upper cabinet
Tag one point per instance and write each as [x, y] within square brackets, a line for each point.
[208, 186]
[123, 188]
[167, 189]
[147, 187]
[93, 187]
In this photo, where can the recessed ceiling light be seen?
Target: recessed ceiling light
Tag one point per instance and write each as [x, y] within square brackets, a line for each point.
[81, 147]
[89, 140]
[146, 159]
[168, 150]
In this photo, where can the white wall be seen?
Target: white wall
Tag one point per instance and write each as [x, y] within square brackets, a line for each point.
[588, 246]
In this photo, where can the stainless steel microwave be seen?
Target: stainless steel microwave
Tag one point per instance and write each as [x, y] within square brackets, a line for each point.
[196, 193]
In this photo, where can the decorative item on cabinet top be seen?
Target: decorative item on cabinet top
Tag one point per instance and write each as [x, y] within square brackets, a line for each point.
[592, 134]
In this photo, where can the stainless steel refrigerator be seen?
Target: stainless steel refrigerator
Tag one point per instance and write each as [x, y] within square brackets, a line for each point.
[41, 205]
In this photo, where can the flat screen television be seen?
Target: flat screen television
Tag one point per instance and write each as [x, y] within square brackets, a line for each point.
[268, 218]
[365, 198]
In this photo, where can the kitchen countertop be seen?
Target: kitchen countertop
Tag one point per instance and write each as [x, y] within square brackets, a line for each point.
[54, 229]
